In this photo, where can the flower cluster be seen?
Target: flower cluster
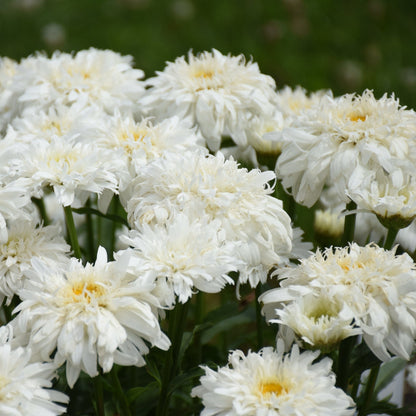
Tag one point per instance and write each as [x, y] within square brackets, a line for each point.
[126, 217]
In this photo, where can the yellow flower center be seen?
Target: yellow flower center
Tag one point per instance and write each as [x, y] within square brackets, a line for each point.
[137, 134]
[204, 74]
[272, 387]
[357, 117]
[346, 264]
[83, 291]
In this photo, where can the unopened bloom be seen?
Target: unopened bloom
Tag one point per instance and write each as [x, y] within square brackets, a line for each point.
[271, 383]
[87, 314]
[328, 224]
[215, 92]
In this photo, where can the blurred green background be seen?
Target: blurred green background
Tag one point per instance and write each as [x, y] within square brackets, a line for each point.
[345, 45]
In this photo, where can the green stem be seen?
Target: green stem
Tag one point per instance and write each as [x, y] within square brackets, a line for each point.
[345, 348]
[199, 314]
[99, 396]
[40, 204]
[114, 210]
[122, 399]
[349, 224]
[259, 319]
[90, 233]
[369, 389]
[391, 236]
[177, 321]
[72, 232]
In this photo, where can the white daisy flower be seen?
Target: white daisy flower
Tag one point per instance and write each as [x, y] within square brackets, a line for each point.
[263, 134]
[182, 256]
[293, 102]
[25, 385]
[87, 314]
[210, 185]
[74, 122]
[73, 170]
[100, 77]
[391, 197]
[271, 383]
[318, 320]
[343, 140]
[377, 285]
[216, 93]
[144, 141]
[25, 241]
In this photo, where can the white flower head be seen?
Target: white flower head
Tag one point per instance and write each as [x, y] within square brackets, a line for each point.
[25, 385]
[73, 170]
[292, 103]
[210, 185]
[317, 320]
[75, 122]
[271, 383]
[263, 133]
[25, 241]
[89, 313]
[146, 140]
[101, 77]
[214, 91]
[342, 141]
[378, 286]
[183, 256]
[391, 197]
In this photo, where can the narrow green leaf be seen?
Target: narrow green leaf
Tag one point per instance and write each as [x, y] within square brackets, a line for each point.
[225, 325]
[111, 217]
[152, 369]
[388, 371]
[135, 392]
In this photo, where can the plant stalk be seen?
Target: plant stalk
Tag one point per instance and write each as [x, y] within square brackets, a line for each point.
[349, 225]
[72, 232]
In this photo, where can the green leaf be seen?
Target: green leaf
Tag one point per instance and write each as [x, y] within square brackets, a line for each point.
[384, 407]
[225, 325]
[111, 217]
[188, 338]
[152, 369]
[362, 358]
[388, 371]
[135, 392]
[185, 378]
